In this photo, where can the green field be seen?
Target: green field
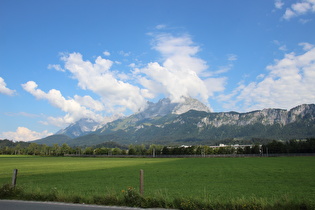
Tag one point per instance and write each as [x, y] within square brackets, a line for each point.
[268, 179]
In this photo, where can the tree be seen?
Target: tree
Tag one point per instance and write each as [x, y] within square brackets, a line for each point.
[140, 149]
[165, 151]
[156, 148]
[189, 150]
[116, 151]
[247, 150]
[44, 149]
[88, 151]
[77, 150]
[101, 151]
[222, 150]
[209, 150]
[229, 150]
[310, 143]
[131, 151]
[276, 147]
[65, 149]
[33, 149]
[240, 150]
[255, 149]
[55, 150]
[17, 149]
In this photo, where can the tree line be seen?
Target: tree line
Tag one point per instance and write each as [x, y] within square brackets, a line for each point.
[8, 147]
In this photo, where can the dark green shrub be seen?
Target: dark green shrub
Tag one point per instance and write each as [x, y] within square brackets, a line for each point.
[133, 198]
[7, 191]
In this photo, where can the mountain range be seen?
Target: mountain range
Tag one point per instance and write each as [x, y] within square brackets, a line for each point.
[189, 122]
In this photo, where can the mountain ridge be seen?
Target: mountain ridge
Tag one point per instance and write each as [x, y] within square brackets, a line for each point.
[161, 108]
[204, 127]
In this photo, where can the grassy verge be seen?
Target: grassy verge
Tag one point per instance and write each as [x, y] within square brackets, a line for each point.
[130, 197]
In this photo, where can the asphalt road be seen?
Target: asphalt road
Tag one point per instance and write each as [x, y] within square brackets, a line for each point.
[35, 205]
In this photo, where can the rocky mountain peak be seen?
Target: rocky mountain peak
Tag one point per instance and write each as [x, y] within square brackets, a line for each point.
[79, 128]
[165, 106]
[189, 104]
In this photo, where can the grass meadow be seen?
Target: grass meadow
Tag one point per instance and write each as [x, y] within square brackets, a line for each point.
[263, 183]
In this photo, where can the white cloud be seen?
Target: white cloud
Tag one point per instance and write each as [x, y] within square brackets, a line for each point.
[304, 21]
[4, 89]
[24, 134]
[123, 53]
[179, 53]
[215, 84]
[300, 8]
[56, 67]
[132, 65]
[24, 114]
[289, 82]
[106, 53]
[175, 83]
[72, 107]
[260, 76]
[232, 57]
[181, 71]
[222, 69]
[288, 14]
[306, 46]
[283, 48]
[115, 94]
[161, 26]
[89, 102]
[279, 4]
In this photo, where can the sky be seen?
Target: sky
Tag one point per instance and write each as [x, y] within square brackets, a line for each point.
[63, 60]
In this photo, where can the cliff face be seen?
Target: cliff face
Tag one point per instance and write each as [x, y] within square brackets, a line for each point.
[265, 117]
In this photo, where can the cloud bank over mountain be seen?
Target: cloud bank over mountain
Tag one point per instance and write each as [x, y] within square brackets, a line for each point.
[179, 72]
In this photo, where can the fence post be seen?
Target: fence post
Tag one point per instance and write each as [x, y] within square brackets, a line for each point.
[15, 171]
[141, 182]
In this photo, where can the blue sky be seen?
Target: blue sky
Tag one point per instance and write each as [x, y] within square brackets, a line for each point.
[63, 60]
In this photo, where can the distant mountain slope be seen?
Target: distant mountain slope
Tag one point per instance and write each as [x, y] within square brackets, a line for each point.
[196, 126]
[163, 107]
[81, 127]
[54, 139]
[160, 125]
